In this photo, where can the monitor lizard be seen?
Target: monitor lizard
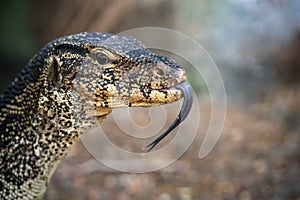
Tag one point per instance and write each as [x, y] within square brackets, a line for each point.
[69, 86]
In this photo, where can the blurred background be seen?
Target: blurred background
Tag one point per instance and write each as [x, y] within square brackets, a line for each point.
[256, 46]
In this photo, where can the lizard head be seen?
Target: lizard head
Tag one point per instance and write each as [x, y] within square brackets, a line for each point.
[105, 71]
[130, 75]
[116, 71]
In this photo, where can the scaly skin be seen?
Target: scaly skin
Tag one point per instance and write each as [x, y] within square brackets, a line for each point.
[70, 85]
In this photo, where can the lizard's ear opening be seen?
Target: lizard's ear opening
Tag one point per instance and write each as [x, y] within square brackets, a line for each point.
[60, 75]
[64, 62]
[53, 71]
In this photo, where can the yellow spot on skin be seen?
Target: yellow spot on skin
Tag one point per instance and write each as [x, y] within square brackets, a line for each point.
[136, 96]
[111, 88]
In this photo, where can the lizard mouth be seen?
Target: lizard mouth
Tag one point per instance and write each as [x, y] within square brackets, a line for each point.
[186, 90]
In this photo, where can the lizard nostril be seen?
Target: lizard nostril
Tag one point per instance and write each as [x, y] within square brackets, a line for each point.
[159, 72]
[183, 75]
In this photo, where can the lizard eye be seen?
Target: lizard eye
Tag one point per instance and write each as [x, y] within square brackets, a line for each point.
[100, 58]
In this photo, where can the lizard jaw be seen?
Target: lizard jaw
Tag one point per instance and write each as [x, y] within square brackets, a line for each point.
[155, 97]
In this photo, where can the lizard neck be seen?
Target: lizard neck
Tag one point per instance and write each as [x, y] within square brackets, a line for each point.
[39, 123]
[18, 106]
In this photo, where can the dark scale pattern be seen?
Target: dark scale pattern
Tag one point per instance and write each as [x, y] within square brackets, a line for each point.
[65, 89]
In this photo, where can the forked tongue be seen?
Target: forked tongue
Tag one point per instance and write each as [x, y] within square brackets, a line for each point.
[185, 109]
